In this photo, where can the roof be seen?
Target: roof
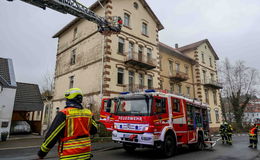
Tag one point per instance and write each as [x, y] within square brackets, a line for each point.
[175, 52]
[96, 5]
[7, 77]
[28, 97]
[197, 44]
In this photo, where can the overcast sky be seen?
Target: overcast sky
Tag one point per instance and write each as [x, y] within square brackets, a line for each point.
[232, 27]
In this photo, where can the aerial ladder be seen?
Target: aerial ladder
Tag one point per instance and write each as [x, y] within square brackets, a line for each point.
[106, 26]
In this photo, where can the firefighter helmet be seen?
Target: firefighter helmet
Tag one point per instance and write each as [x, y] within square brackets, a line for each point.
[73, 93]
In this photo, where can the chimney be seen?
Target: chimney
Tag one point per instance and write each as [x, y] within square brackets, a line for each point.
[176, 45]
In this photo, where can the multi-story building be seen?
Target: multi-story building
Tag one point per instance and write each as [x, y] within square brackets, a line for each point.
[132, 60]
[107, 65]
[205, 75]
[176, 71]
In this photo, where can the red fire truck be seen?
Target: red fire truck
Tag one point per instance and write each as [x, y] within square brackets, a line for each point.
[154, 119]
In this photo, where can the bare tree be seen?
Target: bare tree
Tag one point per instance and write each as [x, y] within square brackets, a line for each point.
[47, 87]
[239, 86]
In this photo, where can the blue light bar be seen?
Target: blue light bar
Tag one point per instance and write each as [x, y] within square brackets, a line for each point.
[124, 92]
[149, 90]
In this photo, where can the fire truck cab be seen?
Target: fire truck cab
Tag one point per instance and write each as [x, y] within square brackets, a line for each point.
[155, 119]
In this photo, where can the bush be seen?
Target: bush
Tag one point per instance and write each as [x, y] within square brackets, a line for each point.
[4, 136]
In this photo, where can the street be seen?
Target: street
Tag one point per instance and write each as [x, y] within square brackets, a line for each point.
[111, 151]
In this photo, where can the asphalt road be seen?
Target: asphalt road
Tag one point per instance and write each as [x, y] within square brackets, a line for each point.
[238, 151]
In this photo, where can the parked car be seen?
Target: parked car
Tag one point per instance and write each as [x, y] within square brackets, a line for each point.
[20, 127]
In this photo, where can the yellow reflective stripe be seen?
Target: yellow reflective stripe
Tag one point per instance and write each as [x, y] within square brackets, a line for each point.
[79, 112]
[76, 155]
[94, 123]
[77, 143]
[70, 127]
[53, 134]
[78, 116]
[76, 146]
[77, 140]
[69, 142]
[44, 148]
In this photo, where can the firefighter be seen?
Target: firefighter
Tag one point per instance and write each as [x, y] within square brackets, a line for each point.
[229, 133]
[253, 137]
[72, 127]
[223, 132]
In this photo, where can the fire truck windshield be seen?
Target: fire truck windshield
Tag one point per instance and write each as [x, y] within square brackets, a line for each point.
[134, 106]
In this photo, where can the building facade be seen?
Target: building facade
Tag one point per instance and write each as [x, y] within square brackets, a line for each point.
[107, 65]
[104, 66]
[206, 85]
[7, 95]
[252, 112]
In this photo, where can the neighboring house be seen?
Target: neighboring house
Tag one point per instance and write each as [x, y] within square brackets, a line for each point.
[7, 94]
[205, 75]
[252, 112]
[127, 61]
[28, 106]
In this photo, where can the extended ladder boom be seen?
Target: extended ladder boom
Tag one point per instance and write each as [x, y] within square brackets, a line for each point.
[77, 9]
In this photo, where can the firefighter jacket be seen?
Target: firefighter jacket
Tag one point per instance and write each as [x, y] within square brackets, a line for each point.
[253, 134]
[222, 129]
[229, 130]
[72, 127]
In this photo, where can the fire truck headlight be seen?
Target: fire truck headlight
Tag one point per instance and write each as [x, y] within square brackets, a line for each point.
[115, 127]
[146, 128]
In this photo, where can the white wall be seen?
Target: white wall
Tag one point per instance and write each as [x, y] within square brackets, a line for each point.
[7, 97]
[251, 116]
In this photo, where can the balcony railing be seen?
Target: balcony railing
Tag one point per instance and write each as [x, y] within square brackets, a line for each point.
[140, 60]
[178, 76]
[213, 84]
[136, 88]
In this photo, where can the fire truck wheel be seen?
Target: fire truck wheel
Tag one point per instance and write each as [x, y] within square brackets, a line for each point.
[168, 146]
[128, 147]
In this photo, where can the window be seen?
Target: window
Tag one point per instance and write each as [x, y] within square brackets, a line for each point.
[121, 45]
[188, 91]
[136, 5]
[150, 82]
[179, 89]
[149, 55]
[186, 69]
[210, 62]
[171, 87]
[215, 97]
[204, 76]
[202, 58]
[207, 96]
[140, 52]
[171, 66]
[177, 67]
[71, 78]
[209, 115]
[126, 20]
[160, 105]
[212, 77]
[75, 32]
[141, 81]
[217, 115]
[120, 76]
[131, 49]
[73, 57]
[176, 105]
[144, 29]
[131, 80]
